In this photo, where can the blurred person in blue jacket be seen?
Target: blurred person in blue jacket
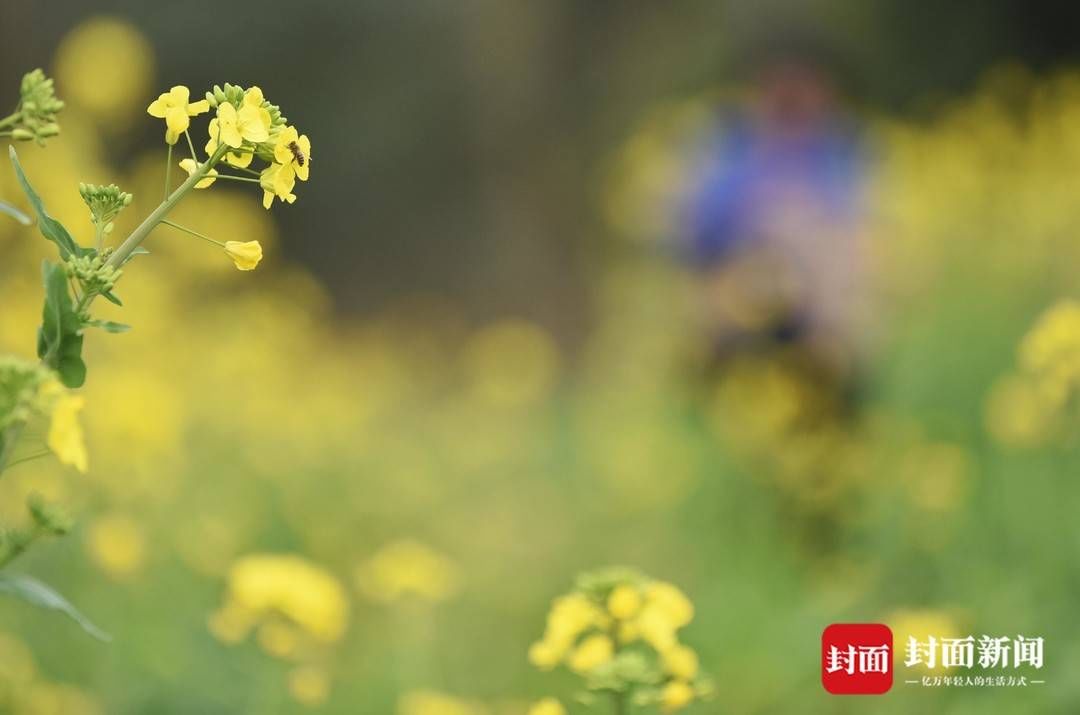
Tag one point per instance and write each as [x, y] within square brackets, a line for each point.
[772, 226]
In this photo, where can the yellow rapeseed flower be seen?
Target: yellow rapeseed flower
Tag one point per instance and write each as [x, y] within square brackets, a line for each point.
[676, 695]
[294, 151]
[246, 255]
[277, 180]
[427, 702]
[624, 602]
[239, 159]
[174, 108]
[249, 123]
[670, 601]
[189, 166]
[289, 586]
[681, 662]
[593, 652]
[65, 433]
[547, 706]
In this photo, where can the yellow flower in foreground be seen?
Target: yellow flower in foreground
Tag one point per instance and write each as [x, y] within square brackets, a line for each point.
[189, 166]
[249, 123]
[624, 602]
[277, 180]
[65, 433]
[671, 602]
[174, 108]
[546, 654]
[676, 696]
[246, 255]
[309, 686]
[593, 652]
[547, 706]
[294, 151]
[681, 662]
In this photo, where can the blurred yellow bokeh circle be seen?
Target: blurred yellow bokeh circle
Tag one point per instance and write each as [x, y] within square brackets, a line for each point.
[105, 67]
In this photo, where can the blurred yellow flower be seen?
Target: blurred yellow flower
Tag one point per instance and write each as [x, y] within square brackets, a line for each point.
[676, 695]
[112, 43]
[65, 433]
[174, 108]
[116, 543]
[245, 255]
[680, 662]
[278, 638]
[189, 166]
[624, 602]
[426, 702]
[309, 685]
[407, 568]
[262, 585]
[547, 706]
[593, 652]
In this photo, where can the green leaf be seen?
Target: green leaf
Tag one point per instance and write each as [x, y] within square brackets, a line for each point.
[112, 298]
[15, 213]
[50, 228]
[38, 594]
[109, 326]
[60, 339]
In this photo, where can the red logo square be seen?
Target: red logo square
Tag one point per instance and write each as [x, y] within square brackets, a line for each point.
[857, 658]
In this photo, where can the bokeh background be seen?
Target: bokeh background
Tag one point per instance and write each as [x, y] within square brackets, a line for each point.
[478, 360]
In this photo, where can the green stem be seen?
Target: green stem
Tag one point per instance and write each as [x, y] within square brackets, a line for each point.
[238, 178]
[196, 234]
[7, 446]
[10, 119]
[168, 171]
[29, 458]
[194, 156]
[16, 548]
[157, 215]
[618, 703]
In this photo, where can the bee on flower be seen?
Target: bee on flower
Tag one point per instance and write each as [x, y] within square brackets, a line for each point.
[619, 631]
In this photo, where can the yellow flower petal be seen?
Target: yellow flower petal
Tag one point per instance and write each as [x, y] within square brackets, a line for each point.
[246, 255]
[189, 166]
[65, 433]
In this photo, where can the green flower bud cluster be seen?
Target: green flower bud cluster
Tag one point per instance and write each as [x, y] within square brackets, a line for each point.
[234, 95]
[48, 517]
[105, 203]
[37, 110]
[93, 273]
[20, 390]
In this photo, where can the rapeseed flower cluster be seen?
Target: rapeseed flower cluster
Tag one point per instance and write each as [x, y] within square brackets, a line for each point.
[619, 630]
[1036, 402]
[297, 609]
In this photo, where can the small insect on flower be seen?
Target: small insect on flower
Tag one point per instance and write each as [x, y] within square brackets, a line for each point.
[298, 155]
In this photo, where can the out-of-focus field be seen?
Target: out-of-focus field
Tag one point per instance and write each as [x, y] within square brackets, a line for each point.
[433, 484]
